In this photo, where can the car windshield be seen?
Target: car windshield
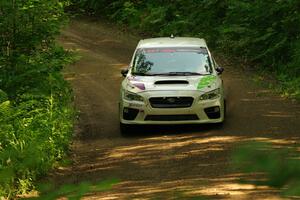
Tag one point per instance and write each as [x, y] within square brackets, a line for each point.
[172, 61]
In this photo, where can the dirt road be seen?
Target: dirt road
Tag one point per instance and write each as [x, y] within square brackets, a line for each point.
[163, 162]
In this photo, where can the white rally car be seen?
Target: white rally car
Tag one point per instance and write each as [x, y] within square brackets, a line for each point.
[171, 80]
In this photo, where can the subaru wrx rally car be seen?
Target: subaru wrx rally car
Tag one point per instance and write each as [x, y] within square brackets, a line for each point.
[171, 80]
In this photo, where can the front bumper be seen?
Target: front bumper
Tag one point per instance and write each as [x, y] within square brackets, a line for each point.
[204, 111]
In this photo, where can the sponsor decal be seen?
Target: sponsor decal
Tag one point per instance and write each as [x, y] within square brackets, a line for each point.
[141, 86]
[206, 81]
[202, 50]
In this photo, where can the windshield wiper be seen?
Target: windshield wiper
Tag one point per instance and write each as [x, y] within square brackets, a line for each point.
[180, 74]
[142, 74]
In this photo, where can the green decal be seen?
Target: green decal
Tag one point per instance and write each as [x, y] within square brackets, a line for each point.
[206, 81]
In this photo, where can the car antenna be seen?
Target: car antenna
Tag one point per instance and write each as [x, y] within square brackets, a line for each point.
[172, 36]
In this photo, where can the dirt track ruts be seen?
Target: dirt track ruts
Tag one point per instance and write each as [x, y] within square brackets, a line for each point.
[166, 162]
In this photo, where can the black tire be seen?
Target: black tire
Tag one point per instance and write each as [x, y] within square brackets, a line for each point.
[126, 129]
[225, 109]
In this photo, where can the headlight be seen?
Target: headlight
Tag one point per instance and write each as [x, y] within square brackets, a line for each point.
[211, 95]
[130, 96]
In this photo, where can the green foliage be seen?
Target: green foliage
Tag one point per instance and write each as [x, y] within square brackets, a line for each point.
[280, 167]
[264, 34]
[36, 116]
[35, 130]
[72, 192]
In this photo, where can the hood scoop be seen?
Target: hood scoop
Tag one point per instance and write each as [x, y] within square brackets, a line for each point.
[172, 82]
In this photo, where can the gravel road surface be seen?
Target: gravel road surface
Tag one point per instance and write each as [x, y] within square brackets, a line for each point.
[169, 162]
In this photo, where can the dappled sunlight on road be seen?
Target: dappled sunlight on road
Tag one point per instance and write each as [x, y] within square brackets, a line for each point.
[155, 154]
[276, 142]
[172, 143]
[185, 188]
[164, 148]
[280, 115]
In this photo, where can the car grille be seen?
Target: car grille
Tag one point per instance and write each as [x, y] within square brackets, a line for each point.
[171, 102]
[171, 117]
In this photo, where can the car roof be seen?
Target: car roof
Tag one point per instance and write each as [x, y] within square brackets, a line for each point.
[172, 42]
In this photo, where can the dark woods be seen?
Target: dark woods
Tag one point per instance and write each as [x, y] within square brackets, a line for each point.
[265, 34]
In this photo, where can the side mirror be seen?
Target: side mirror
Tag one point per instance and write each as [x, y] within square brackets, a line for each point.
[220, 70]
[124, 72]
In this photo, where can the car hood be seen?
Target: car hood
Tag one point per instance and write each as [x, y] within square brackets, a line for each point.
[159, 83]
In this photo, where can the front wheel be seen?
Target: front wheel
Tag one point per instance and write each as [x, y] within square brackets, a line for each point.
[126, 129]
[225, 109]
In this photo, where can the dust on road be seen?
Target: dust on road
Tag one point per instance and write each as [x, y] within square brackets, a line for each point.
[166, 162]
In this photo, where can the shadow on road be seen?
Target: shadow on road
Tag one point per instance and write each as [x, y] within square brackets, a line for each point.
[144, 131]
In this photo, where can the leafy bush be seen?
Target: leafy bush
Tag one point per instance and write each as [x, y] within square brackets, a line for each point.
[72, 191]
[36, 113]
[280, 168]
[35, 130]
